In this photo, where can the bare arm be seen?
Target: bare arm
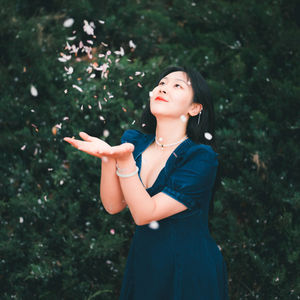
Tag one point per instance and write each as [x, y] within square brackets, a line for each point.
[143, 207]
[110, 190]
[114, 189]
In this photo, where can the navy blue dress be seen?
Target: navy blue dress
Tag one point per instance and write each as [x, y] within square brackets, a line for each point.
[177, 259]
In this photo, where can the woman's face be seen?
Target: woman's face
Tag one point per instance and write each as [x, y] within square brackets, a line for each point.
[172, 97]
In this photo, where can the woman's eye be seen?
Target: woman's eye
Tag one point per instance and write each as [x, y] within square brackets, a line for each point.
[161, 83]
[177, 85]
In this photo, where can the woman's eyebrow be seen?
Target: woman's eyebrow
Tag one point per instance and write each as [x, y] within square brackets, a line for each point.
[178, 79]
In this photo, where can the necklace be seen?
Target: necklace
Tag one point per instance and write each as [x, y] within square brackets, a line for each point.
[169, 145]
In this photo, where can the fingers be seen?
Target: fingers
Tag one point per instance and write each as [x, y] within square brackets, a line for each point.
[69, 140]
[128, 147]
[85, 136]
[124, 148]
[73, 142]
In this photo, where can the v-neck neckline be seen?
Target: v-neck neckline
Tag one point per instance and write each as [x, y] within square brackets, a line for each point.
[151, 140]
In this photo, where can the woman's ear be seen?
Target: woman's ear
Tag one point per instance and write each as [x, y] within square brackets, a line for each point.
[195, 109]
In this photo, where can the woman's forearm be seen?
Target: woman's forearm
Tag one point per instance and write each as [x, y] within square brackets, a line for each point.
[110, 190]
[140, 204]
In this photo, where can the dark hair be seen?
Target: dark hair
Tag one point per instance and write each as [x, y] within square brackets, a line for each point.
[196, 132]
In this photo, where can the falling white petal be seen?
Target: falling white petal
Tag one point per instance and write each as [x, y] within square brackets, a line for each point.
[89, 27]
[21, 220]
[61, 59]
[33, 91]
[77, 88]
[69, 70]
[105, 133]
[71, 38]
[23, 147]
[121, 52]
[69, 22]
[208, 136]
[154, 225]
[132, 44]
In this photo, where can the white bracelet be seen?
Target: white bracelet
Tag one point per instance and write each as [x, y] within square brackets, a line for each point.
[121, 169]
[128, 175]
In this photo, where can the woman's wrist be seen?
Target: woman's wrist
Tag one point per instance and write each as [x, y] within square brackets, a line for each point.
[126, 164]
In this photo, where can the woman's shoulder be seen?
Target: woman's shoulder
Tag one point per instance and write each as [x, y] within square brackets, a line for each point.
[131, 135]
[201, 152]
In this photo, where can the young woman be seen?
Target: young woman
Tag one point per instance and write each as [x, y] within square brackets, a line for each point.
[166, 176]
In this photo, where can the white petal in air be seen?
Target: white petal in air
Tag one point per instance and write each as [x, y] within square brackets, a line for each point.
[121, 52]
[69, 70]
[77, 87]
[105, 133]
[132, 44]
[33, 91]
[208, 136]
[71, 38]
[61, 59]
[21, 220]
[89, 27]
[69, 22]
[154, 225]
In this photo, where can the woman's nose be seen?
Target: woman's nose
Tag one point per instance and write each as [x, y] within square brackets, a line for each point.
[163, 90]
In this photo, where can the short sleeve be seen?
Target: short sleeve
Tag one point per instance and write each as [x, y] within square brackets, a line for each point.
[193, 177]
[136, 138]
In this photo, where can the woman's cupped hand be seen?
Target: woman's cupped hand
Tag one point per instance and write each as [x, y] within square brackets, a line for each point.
[96, 147]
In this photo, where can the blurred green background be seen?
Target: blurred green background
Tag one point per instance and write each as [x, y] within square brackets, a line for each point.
[56, 240]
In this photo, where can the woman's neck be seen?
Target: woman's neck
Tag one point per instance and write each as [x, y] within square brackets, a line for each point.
[170, 131]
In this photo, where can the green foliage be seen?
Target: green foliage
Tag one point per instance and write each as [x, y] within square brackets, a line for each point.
[55, 236]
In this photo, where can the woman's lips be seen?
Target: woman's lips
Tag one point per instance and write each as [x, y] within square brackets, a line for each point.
[160, 99]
